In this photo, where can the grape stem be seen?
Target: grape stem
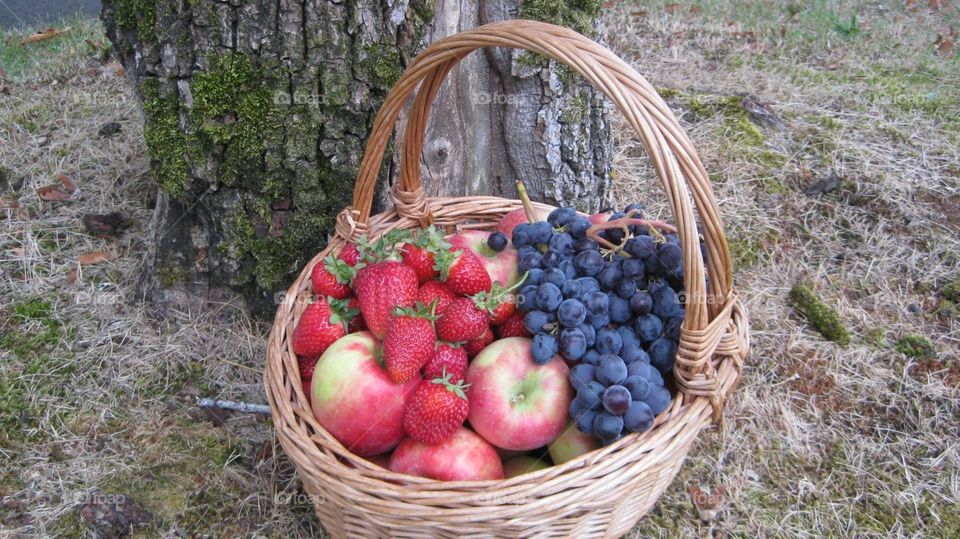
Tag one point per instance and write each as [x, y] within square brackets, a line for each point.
[594, 231]
[525, 200]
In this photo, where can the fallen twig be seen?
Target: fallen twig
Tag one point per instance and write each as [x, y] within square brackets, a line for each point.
[245, 407]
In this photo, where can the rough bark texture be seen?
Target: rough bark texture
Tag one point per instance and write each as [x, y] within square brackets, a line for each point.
[256, 114]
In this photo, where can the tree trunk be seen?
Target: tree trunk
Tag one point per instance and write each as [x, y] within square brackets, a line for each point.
[256, 115]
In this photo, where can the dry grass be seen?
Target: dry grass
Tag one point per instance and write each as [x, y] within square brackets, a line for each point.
[820, 440]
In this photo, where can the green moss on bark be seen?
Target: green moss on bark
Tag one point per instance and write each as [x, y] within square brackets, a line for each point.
[578, 15]
[233, 108]
[139, 15]
[823, 317]
[166, 142]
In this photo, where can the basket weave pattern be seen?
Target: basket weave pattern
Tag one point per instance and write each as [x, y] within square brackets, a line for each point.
[603, 493]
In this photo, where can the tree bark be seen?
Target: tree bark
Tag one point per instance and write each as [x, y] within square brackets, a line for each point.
[256, 114]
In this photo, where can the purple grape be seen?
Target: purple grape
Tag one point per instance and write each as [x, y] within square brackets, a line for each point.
[581, 375]
[639, 417]
[616, 399]
[611, 370]
[607, 426]
[638, 387]
[573, 344]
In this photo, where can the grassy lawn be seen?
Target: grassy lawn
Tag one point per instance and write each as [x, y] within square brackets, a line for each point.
[821, 439]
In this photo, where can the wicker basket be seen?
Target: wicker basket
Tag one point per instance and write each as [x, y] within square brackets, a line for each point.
[603, 493]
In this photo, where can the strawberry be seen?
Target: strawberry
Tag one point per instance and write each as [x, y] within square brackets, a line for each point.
[436, 409]
[420, 259]
[332, 278]
[350, 254]
[462, 321]
[499, 302]
[307, 365]
[419, 254]
[463, 272]
[356, 323]
[322, 322]
[381, 287]
[512, 327]
[306, 392]
[447, 358]
[409, 343]
[435, 290]
[474, 346]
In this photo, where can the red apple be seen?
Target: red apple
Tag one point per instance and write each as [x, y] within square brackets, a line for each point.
[501, 266]
[355, 400]
[463, 456]
[513, 218]
[515, 403]
[571, 444]
[521, 465]
[382, 460]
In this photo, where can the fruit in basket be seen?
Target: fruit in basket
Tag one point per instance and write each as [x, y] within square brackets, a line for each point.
[463, 271]
[500, 265]
[409, 342]
[350, 254]
[571, 444]
[521, 465]
[620, 302]
[475, 346]
[464, 456]
[419, 253]
[462, 321]
[515, 403]
[514, 217]
[435, 290]
[381, 287]
[355, 400]
[437, 408]
[332, 277]
[322, 322]
[448, 358]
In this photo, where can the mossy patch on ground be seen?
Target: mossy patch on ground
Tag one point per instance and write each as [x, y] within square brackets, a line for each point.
[823, 317]
[915, 346]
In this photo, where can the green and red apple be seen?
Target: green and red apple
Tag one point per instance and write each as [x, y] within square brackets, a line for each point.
[355, 400]
[521, 465]
[463, 456]
[515, 403]
[571, 444]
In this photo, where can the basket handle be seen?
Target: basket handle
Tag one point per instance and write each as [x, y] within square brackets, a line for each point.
[670, 150]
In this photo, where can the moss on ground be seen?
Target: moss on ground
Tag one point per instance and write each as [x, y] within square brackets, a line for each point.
[916, 347]
[949, 299]
[823, 317]
[32, 335]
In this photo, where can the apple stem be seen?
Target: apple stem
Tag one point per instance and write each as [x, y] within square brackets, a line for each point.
[525, 200]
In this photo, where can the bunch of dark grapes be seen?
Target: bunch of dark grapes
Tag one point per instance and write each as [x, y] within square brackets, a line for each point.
[615, 311]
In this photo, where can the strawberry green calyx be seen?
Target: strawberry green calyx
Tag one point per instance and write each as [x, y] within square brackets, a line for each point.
[383, 248]
[342, 272]
[459, 388]
[432, 240]
[427, 312]
[340, 311]
[489, 301]
[443, 260]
